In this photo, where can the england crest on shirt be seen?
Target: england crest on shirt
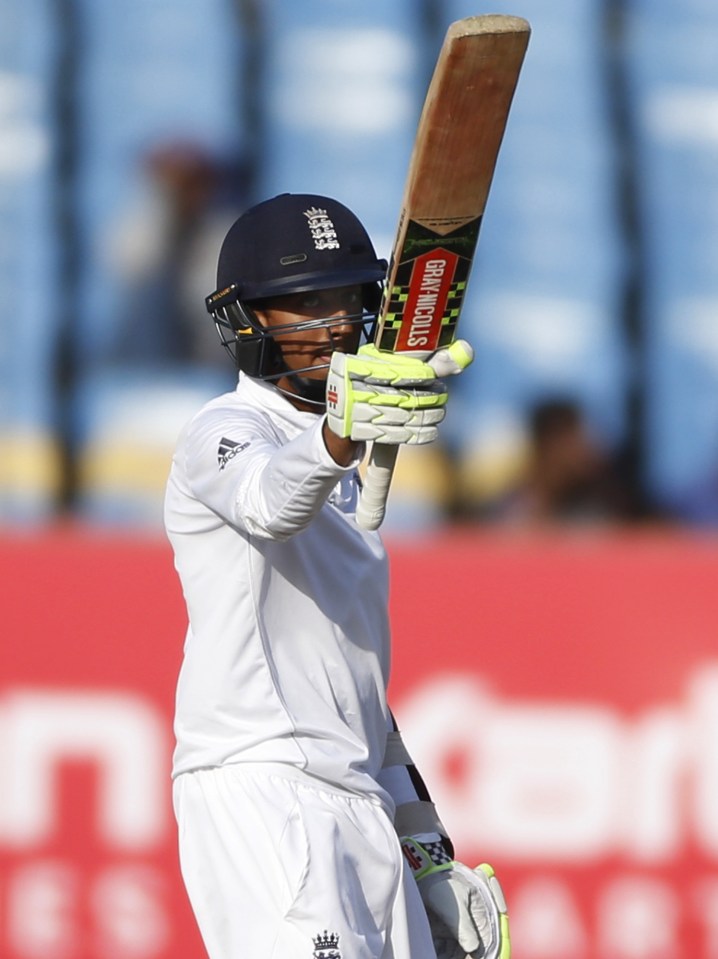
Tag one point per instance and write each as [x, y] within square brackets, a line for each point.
[326, 946]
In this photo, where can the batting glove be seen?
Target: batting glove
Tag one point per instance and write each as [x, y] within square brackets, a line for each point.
[466, 907]
[390, 397]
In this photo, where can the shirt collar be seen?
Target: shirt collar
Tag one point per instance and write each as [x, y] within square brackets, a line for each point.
[268, 397]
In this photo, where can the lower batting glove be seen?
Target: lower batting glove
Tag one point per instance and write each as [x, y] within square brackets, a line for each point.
[390, 397]
[466, 907]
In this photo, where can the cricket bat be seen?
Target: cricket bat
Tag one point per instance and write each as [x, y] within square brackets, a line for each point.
[452, 164]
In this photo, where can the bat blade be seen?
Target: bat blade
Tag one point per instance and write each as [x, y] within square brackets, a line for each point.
[452, 165]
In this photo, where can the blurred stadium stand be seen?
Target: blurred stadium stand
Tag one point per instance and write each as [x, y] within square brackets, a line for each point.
[344, 89]
[672, 61]
[29, 264]
[544, 301]
[157, 117]
[134, 133]
[342, 103]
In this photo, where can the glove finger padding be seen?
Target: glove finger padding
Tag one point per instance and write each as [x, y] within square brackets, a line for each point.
[428, 396]
[392, 369]
[467, 913]
[385, 397]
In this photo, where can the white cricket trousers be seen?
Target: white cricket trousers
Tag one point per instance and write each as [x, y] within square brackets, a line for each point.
[278, 865]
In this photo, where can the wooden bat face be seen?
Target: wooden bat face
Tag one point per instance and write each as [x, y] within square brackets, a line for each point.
[452, 165]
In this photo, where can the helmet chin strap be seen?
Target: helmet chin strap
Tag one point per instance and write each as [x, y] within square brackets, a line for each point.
[308, 391]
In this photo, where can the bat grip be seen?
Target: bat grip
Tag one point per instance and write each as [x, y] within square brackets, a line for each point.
[372, 502]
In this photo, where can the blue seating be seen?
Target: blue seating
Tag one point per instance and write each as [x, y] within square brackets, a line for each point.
[159, 129]
[345, 83]
[30, 290]
[89, 261]
[543, 307]
[673, 66]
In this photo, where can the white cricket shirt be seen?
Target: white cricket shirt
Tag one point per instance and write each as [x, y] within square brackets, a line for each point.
[287, 653]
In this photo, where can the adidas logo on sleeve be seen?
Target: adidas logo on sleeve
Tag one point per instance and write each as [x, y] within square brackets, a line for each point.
[227, 450]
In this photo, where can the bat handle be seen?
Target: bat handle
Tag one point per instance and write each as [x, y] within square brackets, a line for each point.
[372, 502]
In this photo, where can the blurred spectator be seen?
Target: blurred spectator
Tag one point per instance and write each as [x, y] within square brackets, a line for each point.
[699, 505]
[568, 477]
[161, 353]
[163, 251]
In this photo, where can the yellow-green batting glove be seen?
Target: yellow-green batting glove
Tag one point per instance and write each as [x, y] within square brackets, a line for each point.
[389, 397]
[465, 907]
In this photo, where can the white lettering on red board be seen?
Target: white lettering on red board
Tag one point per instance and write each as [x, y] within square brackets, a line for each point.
[118, 733]
[568, 782]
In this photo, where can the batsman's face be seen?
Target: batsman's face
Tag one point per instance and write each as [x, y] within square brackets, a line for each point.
[310, 349]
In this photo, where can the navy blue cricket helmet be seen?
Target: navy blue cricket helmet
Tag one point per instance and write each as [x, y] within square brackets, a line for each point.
[292, 243]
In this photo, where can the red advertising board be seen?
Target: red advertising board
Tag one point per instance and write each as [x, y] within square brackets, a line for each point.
[561, 698]
[92, 637]
[560, 695]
